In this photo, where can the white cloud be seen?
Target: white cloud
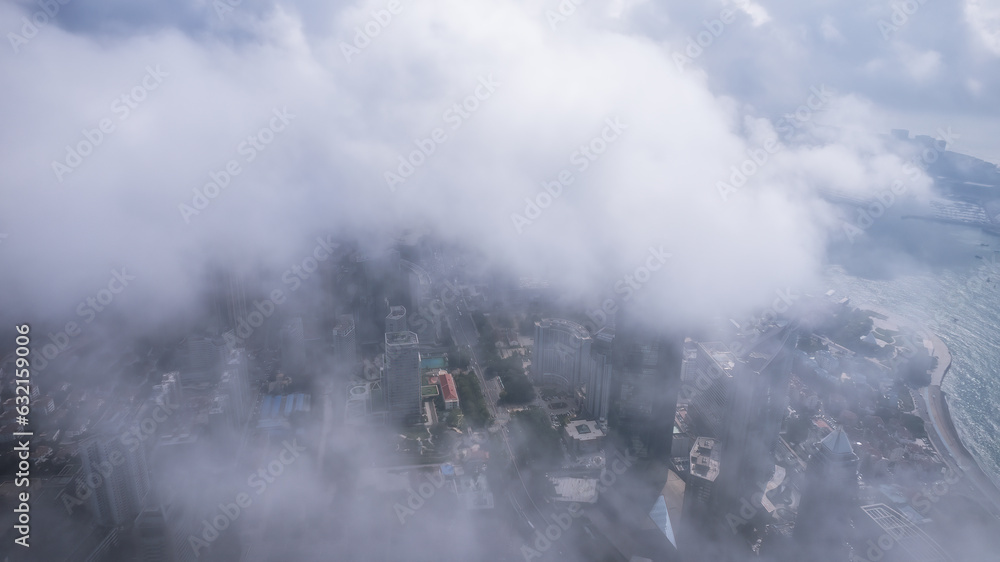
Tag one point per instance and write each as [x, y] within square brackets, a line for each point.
[983, 16]
[657, 185]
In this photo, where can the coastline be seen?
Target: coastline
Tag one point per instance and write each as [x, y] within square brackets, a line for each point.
[932, 407]
[934, 410]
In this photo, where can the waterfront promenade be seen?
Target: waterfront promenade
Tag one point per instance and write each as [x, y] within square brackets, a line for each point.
[944, 434]
[933, 408]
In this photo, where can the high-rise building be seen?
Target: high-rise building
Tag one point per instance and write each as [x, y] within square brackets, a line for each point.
[237, 299]
[123, 488]
[381, 280]
[345, 342]
[293, 346]
[690, 351]
[396, 320]
[235, 384]
[402, 376]
[698, 495]
[232, 401]
[710, 388]
[425, 318]
[600, 374]
[646, 384]
[227, 300]
[757, 407]
[169, 392]
[562, 353]
[204, 355]
[829, 497]
[152, 536]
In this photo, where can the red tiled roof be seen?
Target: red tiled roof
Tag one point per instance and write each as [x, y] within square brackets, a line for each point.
[448, 391]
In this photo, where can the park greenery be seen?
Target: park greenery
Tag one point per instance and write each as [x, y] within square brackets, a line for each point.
[517, 387]
[538, 444]
[470, 399]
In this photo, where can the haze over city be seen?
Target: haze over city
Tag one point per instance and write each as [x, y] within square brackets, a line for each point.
[380, 280]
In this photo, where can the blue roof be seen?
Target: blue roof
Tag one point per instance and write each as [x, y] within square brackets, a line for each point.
[660, 516]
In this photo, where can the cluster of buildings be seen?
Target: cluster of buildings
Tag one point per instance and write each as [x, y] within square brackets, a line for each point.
[742, 481]
[398, 388]
[753, 487]
[565, 355]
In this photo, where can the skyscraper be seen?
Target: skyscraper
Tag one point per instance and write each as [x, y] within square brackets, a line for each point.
[169, 392]
[204, 356]
[228, 298]
[293, 346]
[121, 471]
[562, 353]
[690, 357]
[710, 387]
[237, 299]
[750, 430]
[698, 495]
[402, 376]
[345, 343]
[646, 383]
[396, 320]
[235, 383]
[152, 536]
[829, 497]
[600, 374]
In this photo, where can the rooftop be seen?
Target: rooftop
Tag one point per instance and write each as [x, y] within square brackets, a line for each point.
[837, 443]
[400, 338]
[448, 389]
[584, 430]
[720, 353]
[705, 459]
[564, 325]
[918, 546]
[572, 489]
[345, 325]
